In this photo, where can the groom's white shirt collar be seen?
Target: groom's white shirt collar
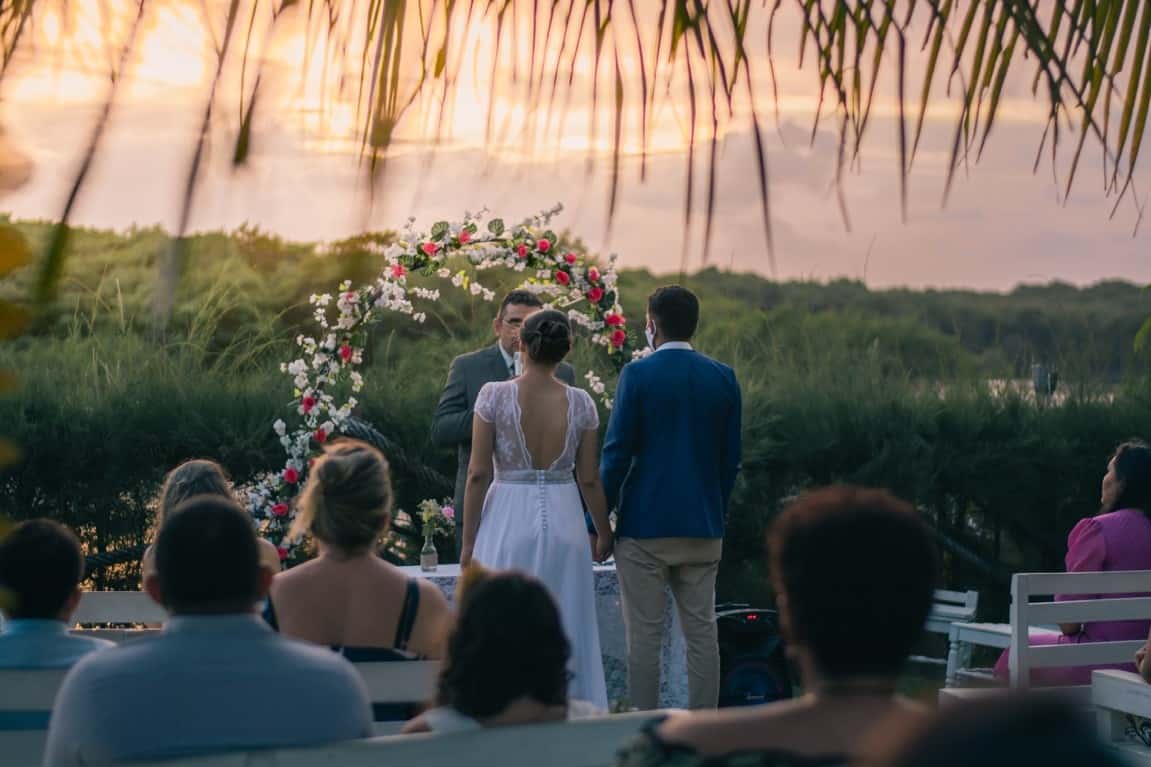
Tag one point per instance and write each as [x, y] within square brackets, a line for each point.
[670, 345]
[509, 360]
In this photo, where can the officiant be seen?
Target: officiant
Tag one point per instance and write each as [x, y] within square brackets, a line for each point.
[452, 421]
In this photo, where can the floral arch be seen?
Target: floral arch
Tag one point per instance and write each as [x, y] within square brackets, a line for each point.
[326, 375]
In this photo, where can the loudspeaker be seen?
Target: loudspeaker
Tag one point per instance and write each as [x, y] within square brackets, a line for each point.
[752, 664]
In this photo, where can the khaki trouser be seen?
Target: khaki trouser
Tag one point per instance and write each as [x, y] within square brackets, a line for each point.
[646, 568]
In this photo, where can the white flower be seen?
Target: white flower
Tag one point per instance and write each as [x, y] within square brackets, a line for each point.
[444, 273]
[297, 368]
[280, 427]
[475, 288]
[598, 387]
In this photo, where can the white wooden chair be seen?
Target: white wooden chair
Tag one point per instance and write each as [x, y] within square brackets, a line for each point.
[948, 608]
[579, 743]
[1117, 696]
[1025, 614]
[26, 699]
[395, 688]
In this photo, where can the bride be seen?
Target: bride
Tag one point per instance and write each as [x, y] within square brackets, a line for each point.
[536, 431]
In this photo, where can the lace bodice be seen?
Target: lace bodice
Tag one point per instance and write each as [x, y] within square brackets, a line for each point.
[498, 404]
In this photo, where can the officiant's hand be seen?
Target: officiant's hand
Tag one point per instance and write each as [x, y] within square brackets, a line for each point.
[465, 557]
[603, 547]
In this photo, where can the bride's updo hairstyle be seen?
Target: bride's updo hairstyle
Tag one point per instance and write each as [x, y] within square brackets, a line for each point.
[547, 337]
[347, 501]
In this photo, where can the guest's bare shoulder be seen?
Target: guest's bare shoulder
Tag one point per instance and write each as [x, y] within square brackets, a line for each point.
[758, 728]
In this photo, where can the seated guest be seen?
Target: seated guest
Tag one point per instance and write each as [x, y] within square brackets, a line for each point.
[217, 678]
[189, 479]
[348, 597]
[1118, 538]
[41, 565]
[853, 572]
[507, 659]
[1001, 732]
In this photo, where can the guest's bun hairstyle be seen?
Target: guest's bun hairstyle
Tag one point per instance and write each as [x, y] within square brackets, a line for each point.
[207, 557]
[1133, 470]
[855, 573]
[347, 501]
[547, 336]
[191, 478]
[508, 643]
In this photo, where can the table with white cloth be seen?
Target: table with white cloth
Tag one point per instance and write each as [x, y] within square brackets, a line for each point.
[613, 643]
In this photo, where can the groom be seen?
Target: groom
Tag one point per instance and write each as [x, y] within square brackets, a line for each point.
[670, 460]
[452, 421]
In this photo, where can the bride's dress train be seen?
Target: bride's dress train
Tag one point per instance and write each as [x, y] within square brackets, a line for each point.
[533, 521]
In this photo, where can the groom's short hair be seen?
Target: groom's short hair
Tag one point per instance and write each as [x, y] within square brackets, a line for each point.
[675, 312]
[520, 298]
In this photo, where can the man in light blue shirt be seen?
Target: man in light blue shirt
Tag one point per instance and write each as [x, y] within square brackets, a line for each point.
[40, 569]
[217, 677]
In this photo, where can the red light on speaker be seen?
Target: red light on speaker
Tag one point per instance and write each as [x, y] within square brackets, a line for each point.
[752, 617]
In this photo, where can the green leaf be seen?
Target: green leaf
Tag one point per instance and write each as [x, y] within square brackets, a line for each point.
[496, 226]
[550, 236]
[439, 229]
[1143, 334]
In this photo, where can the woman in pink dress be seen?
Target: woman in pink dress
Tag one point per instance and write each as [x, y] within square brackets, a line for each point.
[1118, 538]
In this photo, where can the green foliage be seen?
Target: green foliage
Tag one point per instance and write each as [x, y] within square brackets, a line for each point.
[841, 384]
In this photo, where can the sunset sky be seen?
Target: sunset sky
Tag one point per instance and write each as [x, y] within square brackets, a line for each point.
[1002, 226]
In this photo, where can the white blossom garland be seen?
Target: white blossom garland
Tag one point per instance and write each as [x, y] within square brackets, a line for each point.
[326, 370]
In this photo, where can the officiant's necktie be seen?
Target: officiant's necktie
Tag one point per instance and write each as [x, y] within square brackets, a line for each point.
[512, 370]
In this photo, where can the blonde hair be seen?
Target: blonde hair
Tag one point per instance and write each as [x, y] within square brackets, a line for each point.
[196, 477]
[347, 500]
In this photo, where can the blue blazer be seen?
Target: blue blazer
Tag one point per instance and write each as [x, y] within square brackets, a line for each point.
[672, 449]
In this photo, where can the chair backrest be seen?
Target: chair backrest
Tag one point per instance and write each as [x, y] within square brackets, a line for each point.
[118, 607]
[1024, 613]
[579, 743]
[951, 607]
[26, 699]
[398, 688]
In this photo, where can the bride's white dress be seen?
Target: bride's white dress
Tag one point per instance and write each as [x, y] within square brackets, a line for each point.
[533, 521]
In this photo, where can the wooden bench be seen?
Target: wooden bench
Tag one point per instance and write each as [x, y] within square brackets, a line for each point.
[578, 743]
[947, 609]
[1026, 614]
[1119, 697]
[27, 697]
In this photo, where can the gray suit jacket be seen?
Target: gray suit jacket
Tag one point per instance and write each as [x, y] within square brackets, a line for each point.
[452, 422]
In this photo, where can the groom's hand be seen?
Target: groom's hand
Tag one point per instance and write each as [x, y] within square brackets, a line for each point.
[603, 548]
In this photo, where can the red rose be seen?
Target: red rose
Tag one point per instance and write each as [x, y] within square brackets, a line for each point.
[282, 552]
[563, 278]
[280, 510]
[398, 271]
[465, 235]
[543, 246]
[307, 403]
[430, 248]
[291, 476]
[595, 295]
[593, 275]
[349, 296]
[618, 337]
[522, 251]
[614, 320]
[570, 258]
[345, 352]
[321, 436]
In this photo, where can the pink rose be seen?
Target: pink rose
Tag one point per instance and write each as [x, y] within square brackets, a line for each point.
[593, 275]
[563, 278]
[543, 246]
[570, 258]
[398, 271]
[465, 236]
[280, 510]
[291, 476]
[618, 337]
[282, 552]
[449, 512]
[614, 320]
[430, 248]
[595, 295]
[308, 403]
[345, 352]
[350, 296]
[320, 436]
[522, 251]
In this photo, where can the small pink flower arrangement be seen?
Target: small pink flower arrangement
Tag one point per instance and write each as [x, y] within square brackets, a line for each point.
[438, 518]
